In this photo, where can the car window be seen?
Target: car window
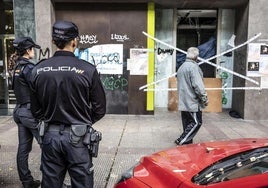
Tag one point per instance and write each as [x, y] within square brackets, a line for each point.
[243, 164]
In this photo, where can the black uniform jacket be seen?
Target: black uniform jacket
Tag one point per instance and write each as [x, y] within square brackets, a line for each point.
[21, 80]
[66, 90]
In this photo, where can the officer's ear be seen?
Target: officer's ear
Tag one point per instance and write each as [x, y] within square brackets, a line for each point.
[29, 50]
[74, 43]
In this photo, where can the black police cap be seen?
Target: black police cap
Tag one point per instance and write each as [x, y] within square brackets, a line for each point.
[64, 30]
[24, 43]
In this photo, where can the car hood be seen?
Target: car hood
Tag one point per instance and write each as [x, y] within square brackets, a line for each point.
[169, 168]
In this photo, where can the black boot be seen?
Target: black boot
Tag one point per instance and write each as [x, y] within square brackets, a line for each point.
[31, 184]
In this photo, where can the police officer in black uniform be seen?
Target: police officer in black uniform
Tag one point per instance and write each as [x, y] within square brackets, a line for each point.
[27, 124]
[68, 96]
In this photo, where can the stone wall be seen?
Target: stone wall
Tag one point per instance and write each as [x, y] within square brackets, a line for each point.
[256, 102]
[44, 19]
[24, 18]
[240, 55]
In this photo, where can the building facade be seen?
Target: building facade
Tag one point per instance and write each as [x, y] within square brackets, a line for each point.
[115, 36]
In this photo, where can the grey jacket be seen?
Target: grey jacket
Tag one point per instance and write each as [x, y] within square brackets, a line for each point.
[191, 90]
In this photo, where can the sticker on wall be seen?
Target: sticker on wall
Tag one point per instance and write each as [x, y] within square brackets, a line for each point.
[138, 62]
[264, 61]
[108, 58]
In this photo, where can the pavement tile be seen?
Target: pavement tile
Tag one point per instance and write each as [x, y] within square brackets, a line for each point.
[126, 138]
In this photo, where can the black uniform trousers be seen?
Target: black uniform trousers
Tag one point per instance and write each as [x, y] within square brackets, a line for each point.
[191, 122]
[27, 129]
[59, 155]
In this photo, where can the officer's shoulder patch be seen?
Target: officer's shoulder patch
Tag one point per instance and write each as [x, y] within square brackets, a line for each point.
[17, 70]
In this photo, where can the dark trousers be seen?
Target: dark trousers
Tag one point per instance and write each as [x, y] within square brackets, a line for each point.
[60, 156]
[27, 129]
[191, 122]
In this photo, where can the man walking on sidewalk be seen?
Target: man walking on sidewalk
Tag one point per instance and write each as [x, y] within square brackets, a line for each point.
[192, 96]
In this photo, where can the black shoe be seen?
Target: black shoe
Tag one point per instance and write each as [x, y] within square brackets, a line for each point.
[31, 184]
[177, 142]
[66, 186]
[189, 142]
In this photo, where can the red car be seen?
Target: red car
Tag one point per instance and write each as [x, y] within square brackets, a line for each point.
[238, 163]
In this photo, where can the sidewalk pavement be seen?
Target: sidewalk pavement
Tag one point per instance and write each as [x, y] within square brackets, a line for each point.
[126, 138]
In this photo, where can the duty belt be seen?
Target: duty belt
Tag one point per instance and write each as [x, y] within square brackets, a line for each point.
[58, 128]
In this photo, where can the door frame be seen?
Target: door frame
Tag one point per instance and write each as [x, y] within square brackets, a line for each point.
[4, 75]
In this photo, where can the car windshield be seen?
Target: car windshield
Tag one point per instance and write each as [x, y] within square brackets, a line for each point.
[236, 166]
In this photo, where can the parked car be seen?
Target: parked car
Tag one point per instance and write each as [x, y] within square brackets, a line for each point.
[234, 163]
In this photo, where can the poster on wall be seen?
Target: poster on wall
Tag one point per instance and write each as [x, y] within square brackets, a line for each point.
[257, 60]
[264, 60]
[108, 58]
[138, 62]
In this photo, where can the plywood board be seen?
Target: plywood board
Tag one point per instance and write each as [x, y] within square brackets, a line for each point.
[214, 96]
[172, 95]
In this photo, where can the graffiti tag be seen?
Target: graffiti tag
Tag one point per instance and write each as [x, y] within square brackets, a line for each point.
[119, 38]
[44, 54]
[109, 58]
[112, 83]
[88, 39]
[164, 51]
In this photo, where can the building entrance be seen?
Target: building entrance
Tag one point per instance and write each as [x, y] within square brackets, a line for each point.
[7, 99]
[198, 28]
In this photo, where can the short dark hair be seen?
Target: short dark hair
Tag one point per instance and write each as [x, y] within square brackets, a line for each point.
[20, 52]
[61, 43]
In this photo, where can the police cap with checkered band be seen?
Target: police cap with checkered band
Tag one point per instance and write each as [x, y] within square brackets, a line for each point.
[64, 30]
[24, 43]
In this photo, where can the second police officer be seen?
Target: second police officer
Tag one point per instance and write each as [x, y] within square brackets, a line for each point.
[69, 97]
[27, 124]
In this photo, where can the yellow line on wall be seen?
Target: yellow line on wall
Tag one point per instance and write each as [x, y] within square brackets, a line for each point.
[150, 45]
